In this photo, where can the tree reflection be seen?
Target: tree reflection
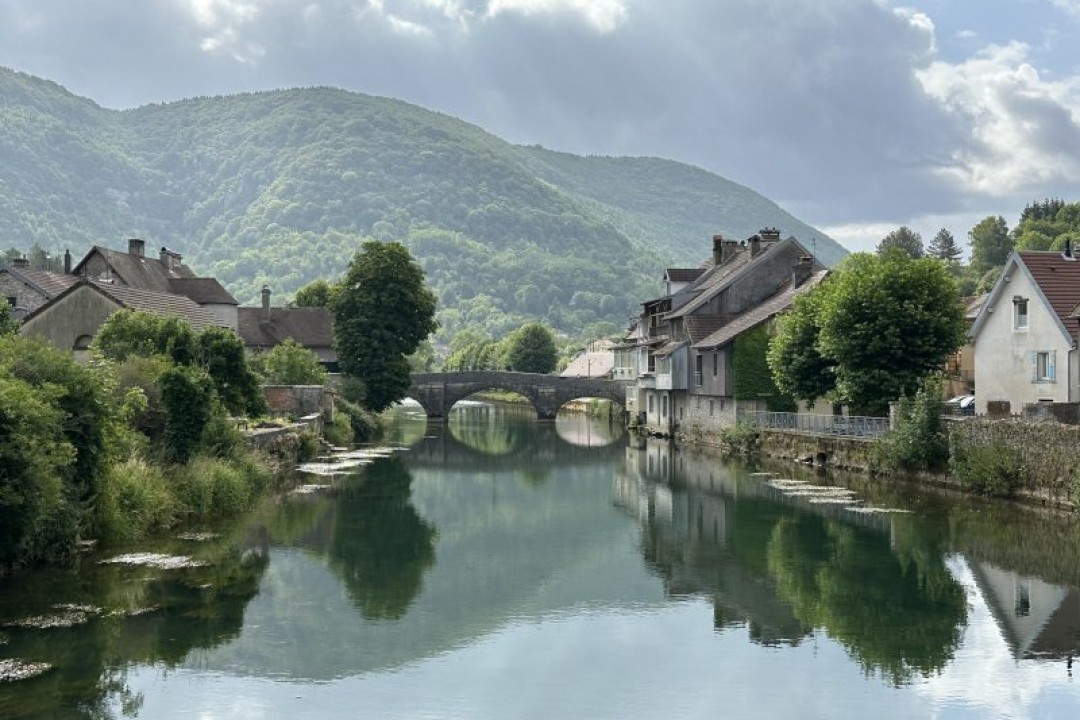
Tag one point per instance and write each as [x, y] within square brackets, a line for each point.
[160, 619]
[380, 546]
[894, 617]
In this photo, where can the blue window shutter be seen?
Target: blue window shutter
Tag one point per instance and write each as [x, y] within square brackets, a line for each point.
[1051, 366]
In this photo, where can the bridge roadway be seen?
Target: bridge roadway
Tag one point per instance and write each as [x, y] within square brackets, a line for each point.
[437, 392]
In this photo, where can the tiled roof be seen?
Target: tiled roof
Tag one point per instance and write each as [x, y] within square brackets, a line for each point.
[668, 348]
[699, 327]
[591, 363]
[49, 283]
[706, 286]
[750, 319]
[138, 299]
[972, 306]
[160, 304]
[138, 271]
[1059, 280]
[205, 291]
[684, 274]
[312, 327]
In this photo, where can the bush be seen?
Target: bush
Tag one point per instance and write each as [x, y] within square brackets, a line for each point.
[187, 395]
[307, 447]
[135, 500]
[739, 439]
[292, 364]
[339, 432]
[365, 425]
[214, 487]
[988, 470]
[919, 441]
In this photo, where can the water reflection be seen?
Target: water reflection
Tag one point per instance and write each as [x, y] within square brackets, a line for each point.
[570, 567]
[380, 547]
[785, 569]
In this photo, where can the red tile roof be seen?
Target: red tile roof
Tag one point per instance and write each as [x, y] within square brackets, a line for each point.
[1059, 280]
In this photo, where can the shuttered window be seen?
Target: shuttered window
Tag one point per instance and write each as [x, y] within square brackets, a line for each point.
[1044, 366]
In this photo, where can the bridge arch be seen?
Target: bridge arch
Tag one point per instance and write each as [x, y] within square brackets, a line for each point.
[438, 392]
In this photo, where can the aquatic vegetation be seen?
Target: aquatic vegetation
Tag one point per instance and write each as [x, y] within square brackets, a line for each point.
[15, 670]
[154, 560]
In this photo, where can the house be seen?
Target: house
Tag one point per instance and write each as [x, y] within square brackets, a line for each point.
[596, 361]
[1026, 332]
[680, 351]
[70, 320]
[26, 290]
[265, 327]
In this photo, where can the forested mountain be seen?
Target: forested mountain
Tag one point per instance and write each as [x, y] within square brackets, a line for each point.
[281, 188]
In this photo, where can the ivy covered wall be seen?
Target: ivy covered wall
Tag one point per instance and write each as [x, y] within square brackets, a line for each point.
[753, 379]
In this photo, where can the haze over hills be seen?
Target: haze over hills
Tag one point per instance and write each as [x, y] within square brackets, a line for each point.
[282, 187]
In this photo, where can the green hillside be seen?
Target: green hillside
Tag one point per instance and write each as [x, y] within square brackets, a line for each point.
[282, 187]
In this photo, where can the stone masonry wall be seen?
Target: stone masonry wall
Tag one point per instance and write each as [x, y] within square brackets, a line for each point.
[1049, 452]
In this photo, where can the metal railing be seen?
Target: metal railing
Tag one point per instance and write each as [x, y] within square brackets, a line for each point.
[839, 425]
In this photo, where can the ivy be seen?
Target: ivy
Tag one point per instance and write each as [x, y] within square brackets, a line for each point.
[753, 379]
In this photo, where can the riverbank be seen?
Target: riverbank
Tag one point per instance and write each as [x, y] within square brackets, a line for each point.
[1034, 463]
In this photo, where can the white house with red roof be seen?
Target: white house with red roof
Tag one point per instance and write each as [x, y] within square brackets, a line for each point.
[1025, 335]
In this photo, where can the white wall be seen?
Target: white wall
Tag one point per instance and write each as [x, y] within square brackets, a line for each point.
[1003, 367]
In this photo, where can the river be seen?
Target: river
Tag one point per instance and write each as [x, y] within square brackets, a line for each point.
[499, 568]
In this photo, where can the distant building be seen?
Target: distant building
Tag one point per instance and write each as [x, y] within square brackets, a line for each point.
[265, 327]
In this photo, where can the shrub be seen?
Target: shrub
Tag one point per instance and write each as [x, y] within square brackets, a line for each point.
[307, 447]
[988, 470]
[365, 425]
[213, 487]
[292, 364]
[918, 442]
[135, 500]
[187, 394]
[339, 432]
[739, 439]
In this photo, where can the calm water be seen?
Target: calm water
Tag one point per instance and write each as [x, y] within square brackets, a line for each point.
[502, 569]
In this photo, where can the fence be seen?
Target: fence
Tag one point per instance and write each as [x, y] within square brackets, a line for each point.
[839, 425]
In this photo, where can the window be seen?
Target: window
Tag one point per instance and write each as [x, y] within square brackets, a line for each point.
[652, 363]
[715, 363]
[12, 301]
[698, 375]
[663, 406]
[1020, 313]
[1043, 367]
[650, 403]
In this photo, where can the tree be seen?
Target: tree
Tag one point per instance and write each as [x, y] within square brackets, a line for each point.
[990, 244]
[290, 363]
[317, 293]
[882, 324]
[131, 332]
[796, 362]
[382, 312]
[531, 348]
[903, 238]
[220, 352]
[943, 247]
[8, 324]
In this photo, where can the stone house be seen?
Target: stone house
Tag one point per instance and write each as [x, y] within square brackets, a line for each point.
[26, 290]
[70, 320]
[679, 352]
[1025, 335]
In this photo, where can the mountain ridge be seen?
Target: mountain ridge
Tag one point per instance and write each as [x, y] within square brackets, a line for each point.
[281, 187]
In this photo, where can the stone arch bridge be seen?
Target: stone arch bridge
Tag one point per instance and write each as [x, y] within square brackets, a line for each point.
[437, 392]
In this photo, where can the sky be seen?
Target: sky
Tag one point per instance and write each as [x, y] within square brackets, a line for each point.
[857, 116]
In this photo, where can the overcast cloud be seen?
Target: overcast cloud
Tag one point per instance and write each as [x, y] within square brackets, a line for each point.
[856, 115]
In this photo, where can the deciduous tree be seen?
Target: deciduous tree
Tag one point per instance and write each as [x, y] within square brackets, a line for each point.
[382, 312]
[880, 323]
[531, 349]
[903, 238]
[990, 244]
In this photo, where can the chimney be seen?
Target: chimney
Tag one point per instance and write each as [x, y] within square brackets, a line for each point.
[20, 263]
[769, 235]
[1068, 249]
[266, 302]
[67, 262]
[166, 258]
[136, 247]
[717, 249]
[803, 270]
[755, 245]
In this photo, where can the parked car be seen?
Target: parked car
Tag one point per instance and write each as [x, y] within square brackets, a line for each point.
[960, 405]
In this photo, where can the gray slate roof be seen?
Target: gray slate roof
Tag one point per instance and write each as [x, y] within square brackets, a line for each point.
[205, 291]
[312, 327]
[759, 314]
[49, 284]
[137, 271]
[157, 303]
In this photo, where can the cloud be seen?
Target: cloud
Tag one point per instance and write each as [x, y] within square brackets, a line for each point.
[1025, 128]
[603, 15]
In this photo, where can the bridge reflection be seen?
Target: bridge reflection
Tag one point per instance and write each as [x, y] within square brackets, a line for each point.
[470, 441]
